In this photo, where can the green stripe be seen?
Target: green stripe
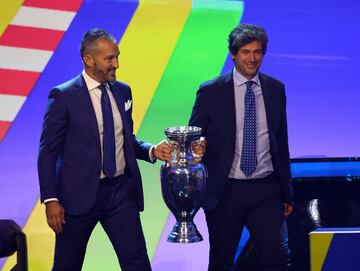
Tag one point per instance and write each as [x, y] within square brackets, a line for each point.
[198, 56]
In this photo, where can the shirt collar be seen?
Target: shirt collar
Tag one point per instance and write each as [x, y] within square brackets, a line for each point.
[239, 79]
[90, 83]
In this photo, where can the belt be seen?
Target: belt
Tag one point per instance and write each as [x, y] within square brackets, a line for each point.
[116, 178]
[269, 178]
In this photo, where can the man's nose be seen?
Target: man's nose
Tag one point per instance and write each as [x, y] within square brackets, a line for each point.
[115, 64]
[252, 57]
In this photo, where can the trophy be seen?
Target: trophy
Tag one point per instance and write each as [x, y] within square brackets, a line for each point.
[183, 182]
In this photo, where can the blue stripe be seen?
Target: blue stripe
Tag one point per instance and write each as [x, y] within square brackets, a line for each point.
[326, 169]
[343, 253]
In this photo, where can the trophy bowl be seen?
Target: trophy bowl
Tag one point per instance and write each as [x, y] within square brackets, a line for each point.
[183, 182]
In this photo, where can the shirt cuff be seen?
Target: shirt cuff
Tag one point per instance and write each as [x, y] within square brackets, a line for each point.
[152, 154]
[50, 199]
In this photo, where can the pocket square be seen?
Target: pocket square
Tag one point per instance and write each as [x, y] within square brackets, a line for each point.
[128, 105]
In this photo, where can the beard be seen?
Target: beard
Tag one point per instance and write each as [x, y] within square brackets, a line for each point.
[104, 74]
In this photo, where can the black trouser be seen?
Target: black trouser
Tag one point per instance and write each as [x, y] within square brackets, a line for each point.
[255, 204]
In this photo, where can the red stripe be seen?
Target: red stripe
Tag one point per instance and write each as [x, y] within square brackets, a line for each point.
[68, 5]
[31, 37]
[4, 126]
[16, 82]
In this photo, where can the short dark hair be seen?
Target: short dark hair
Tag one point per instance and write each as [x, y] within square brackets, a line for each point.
[92, 36]
[244, 34]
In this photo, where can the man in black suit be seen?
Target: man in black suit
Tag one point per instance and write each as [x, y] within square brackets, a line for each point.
[243, 117]
[87, 161]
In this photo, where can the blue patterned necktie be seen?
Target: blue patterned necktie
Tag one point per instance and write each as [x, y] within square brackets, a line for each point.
[248, 161]
[109, 160]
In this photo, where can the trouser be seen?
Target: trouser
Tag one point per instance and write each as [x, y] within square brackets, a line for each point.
[255, 204]
[116, 209]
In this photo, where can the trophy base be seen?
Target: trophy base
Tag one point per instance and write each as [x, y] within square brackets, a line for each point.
[184, 233]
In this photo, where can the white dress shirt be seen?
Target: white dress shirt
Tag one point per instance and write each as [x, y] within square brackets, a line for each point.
[264, 163]
[95, 95]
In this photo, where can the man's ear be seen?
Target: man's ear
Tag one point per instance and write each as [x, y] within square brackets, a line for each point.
[88, 60]
[232, 56]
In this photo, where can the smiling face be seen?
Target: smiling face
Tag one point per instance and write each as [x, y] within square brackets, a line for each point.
[101, 60]
[248, 59]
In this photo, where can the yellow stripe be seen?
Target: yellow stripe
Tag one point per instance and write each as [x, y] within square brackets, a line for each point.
[145, 49]
[319, 246]
[8, 9]
[147, 46]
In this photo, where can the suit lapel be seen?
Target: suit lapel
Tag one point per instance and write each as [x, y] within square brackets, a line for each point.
[120, 101]
[266, 88]
[88, 109]
[229, 104]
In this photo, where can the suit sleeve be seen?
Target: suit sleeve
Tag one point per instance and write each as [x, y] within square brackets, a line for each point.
[199, 115]
[283, 148]
[51, 143]
[142, 148]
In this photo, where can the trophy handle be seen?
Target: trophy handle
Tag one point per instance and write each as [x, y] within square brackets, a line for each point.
[198, 148]
[175, 155]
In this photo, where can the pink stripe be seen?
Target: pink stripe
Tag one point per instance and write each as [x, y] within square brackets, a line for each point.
[68, 5]
[4, 126]
[31, 37]
[16, 82]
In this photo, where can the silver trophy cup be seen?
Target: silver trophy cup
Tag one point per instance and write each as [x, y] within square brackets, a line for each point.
[183, 183]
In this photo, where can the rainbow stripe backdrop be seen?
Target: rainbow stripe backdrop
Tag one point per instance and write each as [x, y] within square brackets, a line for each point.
[167, 48]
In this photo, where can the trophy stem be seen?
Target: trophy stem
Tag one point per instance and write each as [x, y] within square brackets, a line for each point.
[184, 233]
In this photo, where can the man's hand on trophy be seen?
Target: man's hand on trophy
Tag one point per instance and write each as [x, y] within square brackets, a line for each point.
[198, 148]
[163, 151]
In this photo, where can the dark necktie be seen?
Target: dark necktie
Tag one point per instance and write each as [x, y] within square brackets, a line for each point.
[109, 160]
[248, 161]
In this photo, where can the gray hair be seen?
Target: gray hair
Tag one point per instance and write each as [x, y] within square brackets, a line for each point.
[92, 36]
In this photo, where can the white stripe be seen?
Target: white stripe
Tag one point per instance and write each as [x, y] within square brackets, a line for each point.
[43, 18]
[10, 106]
[23, 59]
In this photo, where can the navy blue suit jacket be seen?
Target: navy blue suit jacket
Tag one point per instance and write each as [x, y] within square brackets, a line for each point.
[214, 111]
[69, 162]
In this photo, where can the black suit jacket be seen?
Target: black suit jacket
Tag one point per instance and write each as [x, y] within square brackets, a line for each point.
[214, 111]
[69, 161]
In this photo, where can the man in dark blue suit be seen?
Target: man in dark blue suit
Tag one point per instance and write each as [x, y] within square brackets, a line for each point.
[87, 161]
[243, 117]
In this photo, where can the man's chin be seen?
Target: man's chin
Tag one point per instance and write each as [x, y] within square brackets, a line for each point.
[111, 78]
[252, 72]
